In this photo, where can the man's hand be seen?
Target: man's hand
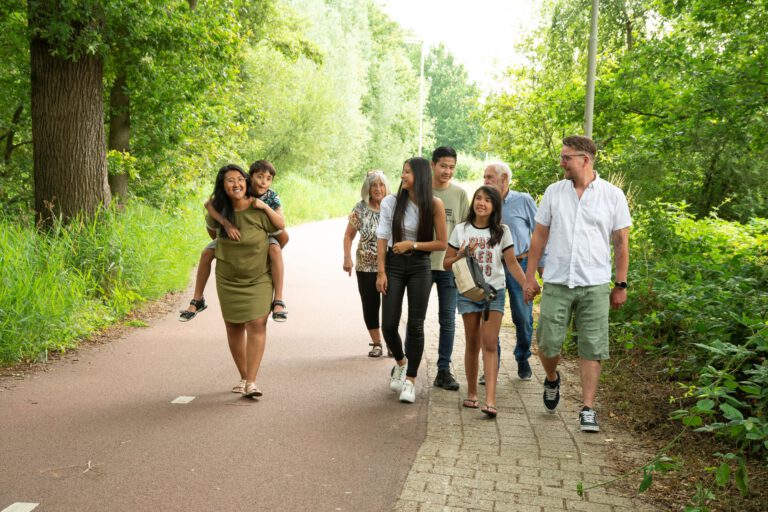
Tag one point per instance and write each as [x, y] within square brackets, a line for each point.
[618, 297]
[532, 288]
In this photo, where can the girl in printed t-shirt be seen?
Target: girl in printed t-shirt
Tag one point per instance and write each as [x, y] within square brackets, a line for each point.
[489, 241]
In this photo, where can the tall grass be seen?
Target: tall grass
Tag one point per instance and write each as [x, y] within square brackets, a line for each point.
[58, 286]
[306, 200]
[62, 284]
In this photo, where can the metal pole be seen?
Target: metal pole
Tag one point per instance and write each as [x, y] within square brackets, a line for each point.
[421, 101]
[592, 57]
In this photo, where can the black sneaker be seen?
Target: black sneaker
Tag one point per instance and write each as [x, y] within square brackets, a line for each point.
[588, 420]
[482, 380]
[524, 370]
[445, 380]
[552, 393]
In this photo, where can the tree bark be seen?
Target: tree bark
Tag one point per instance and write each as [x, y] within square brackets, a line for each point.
[119, 130]
[69, 150]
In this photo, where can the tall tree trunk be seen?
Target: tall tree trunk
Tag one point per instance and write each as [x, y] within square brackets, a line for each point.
[70, 161]
[119, 130]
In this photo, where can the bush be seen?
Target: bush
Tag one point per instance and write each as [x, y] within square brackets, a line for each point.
[700, 299]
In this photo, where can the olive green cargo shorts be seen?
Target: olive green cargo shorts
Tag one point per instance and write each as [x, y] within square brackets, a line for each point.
[588, 306]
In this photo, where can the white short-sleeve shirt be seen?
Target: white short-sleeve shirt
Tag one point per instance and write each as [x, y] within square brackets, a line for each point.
[410, 220]
[579, 245]
[490, 258]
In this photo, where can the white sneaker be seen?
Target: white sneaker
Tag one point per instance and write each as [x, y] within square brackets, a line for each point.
[397, 378]
[408, 394]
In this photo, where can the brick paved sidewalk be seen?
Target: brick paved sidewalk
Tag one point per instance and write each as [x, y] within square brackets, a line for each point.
[525, 460]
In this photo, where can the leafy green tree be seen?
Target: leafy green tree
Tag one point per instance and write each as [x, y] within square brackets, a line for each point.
[392, 100]
[453, 101]
[67, 69]
[15, 128]
[679, 107]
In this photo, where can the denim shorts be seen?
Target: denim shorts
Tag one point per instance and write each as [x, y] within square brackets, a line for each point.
[469, 306]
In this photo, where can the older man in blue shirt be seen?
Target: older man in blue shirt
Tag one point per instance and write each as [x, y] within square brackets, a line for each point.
[518, 213]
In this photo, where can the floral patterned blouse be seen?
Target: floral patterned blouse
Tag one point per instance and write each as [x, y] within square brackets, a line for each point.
[365, 221]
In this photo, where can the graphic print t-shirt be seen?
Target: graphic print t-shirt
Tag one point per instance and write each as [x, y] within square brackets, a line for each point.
[489, 258]
[271, 198]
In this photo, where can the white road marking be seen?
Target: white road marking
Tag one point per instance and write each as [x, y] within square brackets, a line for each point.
[183, 400]
[20, 507]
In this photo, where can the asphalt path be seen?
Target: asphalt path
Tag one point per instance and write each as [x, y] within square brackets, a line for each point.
[99, 432]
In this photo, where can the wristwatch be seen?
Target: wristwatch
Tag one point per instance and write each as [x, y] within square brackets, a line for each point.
[621, 284]
[415, 246]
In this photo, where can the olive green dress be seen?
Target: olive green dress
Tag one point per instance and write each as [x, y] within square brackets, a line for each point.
[243, 277]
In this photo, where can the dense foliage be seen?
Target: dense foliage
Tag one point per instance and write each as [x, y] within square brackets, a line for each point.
[680, 105]
[700, 301]
[323, 89]
[681, 121]
[453, 103]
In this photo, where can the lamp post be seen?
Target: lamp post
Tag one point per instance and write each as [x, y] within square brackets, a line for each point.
[591, 67]
[415, 40]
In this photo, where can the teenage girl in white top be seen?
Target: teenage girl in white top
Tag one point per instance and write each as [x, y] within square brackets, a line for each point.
[489, 241]
[411, 225]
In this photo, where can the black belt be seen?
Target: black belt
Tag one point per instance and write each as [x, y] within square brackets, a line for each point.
[521, 257]
[409, 252]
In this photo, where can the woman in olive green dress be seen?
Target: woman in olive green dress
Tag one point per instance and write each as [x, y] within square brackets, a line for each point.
[243, 279]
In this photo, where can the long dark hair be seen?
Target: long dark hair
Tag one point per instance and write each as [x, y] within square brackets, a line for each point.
[221, 201]
[494, 221]
[422, 193]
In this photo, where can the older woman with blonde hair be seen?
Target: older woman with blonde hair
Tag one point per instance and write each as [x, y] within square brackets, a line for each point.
[364, 219]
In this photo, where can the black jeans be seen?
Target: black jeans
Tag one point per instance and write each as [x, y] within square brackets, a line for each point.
[370, 297]
[409, 273]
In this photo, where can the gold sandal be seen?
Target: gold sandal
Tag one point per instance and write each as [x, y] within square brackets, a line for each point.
[251, 391]
[239, 387]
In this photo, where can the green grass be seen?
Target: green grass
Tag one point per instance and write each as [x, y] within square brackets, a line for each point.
[305, 200]
[59, 286]
[63, 284]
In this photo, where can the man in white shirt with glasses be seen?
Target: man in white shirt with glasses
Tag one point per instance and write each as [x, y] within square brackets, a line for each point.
[578, 220]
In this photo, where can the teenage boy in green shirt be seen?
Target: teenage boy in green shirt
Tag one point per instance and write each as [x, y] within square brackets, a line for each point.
[456, 208]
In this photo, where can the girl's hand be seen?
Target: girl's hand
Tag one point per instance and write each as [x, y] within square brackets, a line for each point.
[232, 232]
[348, 266]
[402, 247]
[381, 282]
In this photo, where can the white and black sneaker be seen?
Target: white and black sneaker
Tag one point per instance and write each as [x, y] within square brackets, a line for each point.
[552, 393]
[588, 420]
[397, 377]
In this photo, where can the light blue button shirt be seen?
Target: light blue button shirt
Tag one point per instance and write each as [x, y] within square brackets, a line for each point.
[518, 212]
